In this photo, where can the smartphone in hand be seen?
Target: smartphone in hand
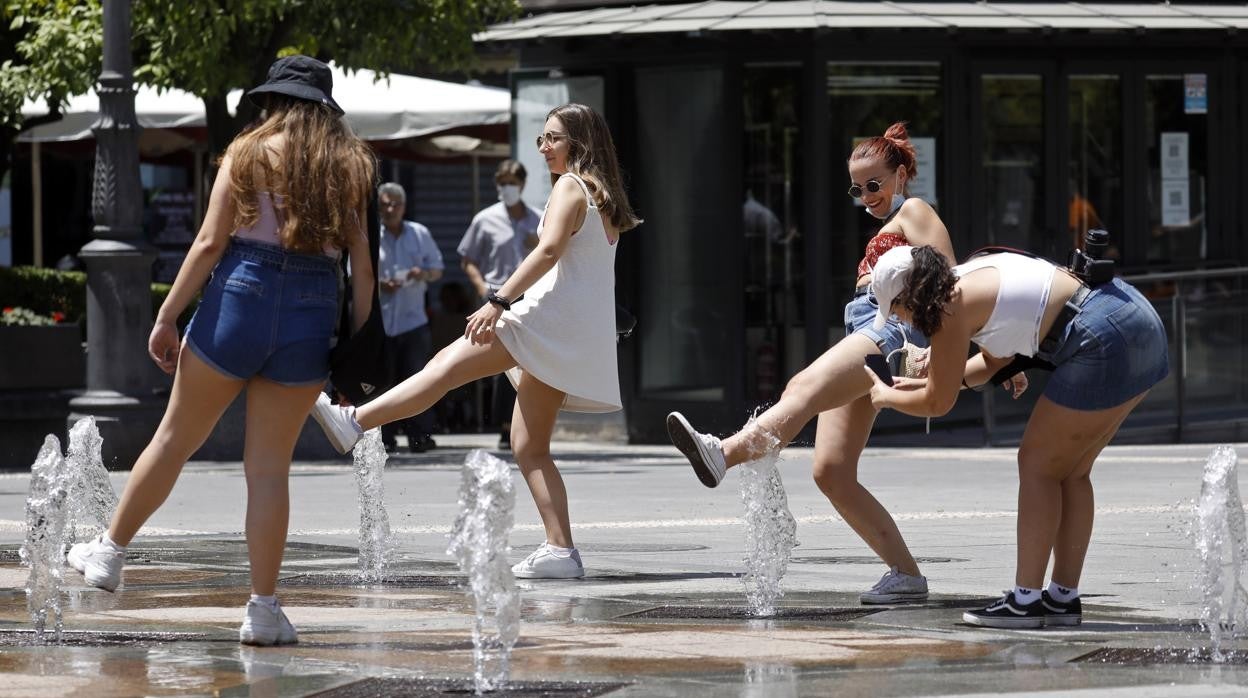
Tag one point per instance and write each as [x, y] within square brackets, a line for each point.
[879, 365]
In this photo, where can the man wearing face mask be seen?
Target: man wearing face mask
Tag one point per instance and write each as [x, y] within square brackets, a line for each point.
[496, 242]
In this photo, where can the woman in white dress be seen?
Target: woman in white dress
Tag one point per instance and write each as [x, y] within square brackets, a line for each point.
[556, 344]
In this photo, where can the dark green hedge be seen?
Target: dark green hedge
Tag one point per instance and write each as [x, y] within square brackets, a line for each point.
[46, 290]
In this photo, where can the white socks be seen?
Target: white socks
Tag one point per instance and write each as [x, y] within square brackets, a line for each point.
[559, 552]
[1025, 595]
[1062, 594]
[269, 601]
[109, 544]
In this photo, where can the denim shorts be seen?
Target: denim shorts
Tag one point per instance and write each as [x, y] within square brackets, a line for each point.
[267, 312]
[1114, 349]
[860, 314]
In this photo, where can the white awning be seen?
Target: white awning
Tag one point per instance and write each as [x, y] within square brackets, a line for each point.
[729, 15]
[403, 106]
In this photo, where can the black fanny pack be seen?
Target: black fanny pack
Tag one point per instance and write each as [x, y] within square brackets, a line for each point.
[357, 364]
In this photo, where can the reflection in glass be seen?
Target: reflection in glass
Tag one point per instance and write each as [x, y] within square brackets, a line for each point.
[1177, 147]
[680, 128]
[1095, 182]
[1013, 174]
[864, 99]
[774, 273]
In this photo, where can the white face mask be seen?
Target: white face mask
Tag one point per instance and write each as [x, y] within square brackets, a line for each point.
[898, 200]
[509, 194]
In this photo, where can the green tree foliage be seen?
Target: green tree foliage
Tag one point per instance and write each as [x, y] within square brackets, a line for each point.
[210, 47]
[51, 49]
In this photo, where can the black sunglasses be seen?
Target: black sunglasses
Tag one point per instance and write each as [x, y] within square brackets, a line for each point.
[873, 186]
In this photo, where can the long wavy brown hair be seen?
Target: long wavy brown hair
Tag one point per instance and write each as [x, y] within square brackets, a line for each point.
[321, 178]
[591, 156]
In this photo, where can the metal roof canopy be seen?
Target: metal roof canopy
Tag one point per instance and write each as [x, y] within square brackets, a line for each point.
[728, 15]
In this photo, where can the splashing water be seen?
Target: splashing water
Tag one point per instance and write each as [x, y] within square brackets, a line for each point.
[376, 543]
[770, 529]
[92, 499]
[43, 551]
[1221, 541]
[487, 497]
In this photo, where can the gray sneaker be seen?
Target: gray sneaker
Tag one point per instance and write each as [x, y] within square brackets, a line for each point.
[896, 587]
[703, 450]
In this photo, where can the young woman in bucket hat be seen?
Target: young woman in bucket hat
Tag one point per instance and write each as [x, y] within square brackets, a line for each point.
[290, 195]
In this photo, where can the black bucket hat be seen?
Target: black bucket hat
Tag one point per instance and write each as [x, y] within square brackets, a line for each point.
[301, 77]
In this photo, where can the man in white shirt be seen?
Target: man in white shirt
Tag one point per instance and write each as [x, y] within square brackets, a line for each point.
[496, 242]
[409, 260]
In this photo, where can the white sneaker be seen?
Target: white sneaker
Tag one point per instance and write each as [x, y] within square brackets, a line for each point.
[338, 423]
[99, 563]
[544, 563]
[896, 587]
[266, 626]
[703, 450]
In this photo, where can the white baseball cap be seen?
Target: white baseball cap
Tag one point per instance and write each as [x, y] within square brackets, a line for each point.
[888, 278]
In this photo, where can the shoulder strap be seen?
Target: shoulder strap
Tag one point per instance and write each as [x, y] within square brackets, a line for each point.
[588, 199]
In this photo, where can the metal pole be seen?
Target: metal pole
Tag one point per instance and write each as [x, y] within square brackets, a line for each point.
[121, 379]
[1179, 315]
[36, 196]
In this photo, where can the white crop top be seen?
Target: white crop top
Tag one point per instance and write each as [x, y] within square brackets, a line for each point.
[1014, 326]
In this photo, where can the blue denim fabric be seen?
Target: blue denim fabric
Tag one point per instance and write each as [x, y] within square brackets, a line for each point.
[1113, 350]
[860, 313]
[267, 312]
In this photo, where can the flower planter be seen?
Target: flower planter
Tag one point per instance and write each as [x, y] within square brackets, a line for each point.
[42, 357]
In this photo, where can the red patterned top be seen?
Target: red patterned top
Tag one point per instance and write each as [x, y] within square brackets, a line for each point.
[876, 246]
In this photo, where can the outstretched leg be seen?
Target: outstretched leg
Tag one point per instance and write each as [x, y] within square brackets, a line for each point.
[200, 396]
[836, 378]
[458, 363]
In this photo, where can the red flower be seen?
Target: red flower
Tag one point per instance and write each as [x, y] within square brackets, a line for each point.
[58, 316]
[8, 310]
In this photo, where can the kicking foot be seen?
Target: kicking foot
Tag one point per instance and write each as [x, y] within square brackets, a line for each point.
[703, 450]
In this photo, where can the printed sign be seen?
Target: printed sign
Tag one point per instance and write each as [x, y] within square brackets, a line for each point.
[1195, 93]
[1176, 209]
[1174, 155]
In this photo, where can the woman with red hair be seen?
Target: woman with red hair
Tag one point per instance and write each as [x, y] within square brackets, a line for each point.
[834, 388]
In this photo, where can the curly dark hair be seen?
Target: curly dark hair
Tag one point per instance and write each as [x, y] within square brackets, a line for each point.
[928, 289]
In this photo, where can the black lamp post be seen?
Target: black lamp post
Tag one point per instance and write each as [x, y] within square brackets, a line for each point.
[121, 379]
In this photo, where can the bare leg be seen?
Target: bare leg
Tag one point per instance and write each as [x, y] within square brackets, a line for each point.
[841, 436]
[836, 378]
[1078, 509]
[1057, 441]
[275, 415]
[532, 423]
[457, 364]
[200, 395]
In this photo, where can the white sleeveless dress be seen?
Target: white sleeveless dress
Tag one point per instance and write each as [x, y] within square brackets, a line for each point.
[563, 330]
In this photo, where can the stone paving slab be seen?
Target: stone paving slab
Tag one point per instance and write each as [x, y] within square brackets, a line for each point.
[653, 539]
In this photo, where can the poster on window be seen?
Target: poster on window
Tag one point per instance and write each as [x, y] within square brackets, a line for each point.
[1195, 93]
[1176, 209]
[534, 99]
[1174, 155]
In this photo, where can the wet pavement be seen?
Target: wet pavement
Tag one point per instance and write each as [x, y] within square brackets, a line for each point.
[663, 609]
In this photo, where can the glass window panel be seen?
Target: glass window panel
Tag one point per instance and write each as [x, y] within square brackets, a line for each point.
[1013, 161]
[1095, 179]
[680, 127]
[774, 273]
[863, 100]
[1177, 142]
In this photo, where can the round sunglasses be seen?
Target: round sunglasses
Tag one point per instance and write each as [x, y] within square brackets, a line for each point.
[873, 186]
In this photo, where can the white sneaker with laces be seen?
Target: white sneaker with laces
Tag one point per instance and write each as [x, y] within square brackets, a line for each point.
[544, 563]
[338, 423]
[895, 587]
[703, 450]
[264, 626]
[99, 563]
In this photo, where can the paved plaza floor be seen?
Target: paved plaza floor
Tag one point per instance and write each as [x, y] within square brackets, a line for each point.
[661, 612]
